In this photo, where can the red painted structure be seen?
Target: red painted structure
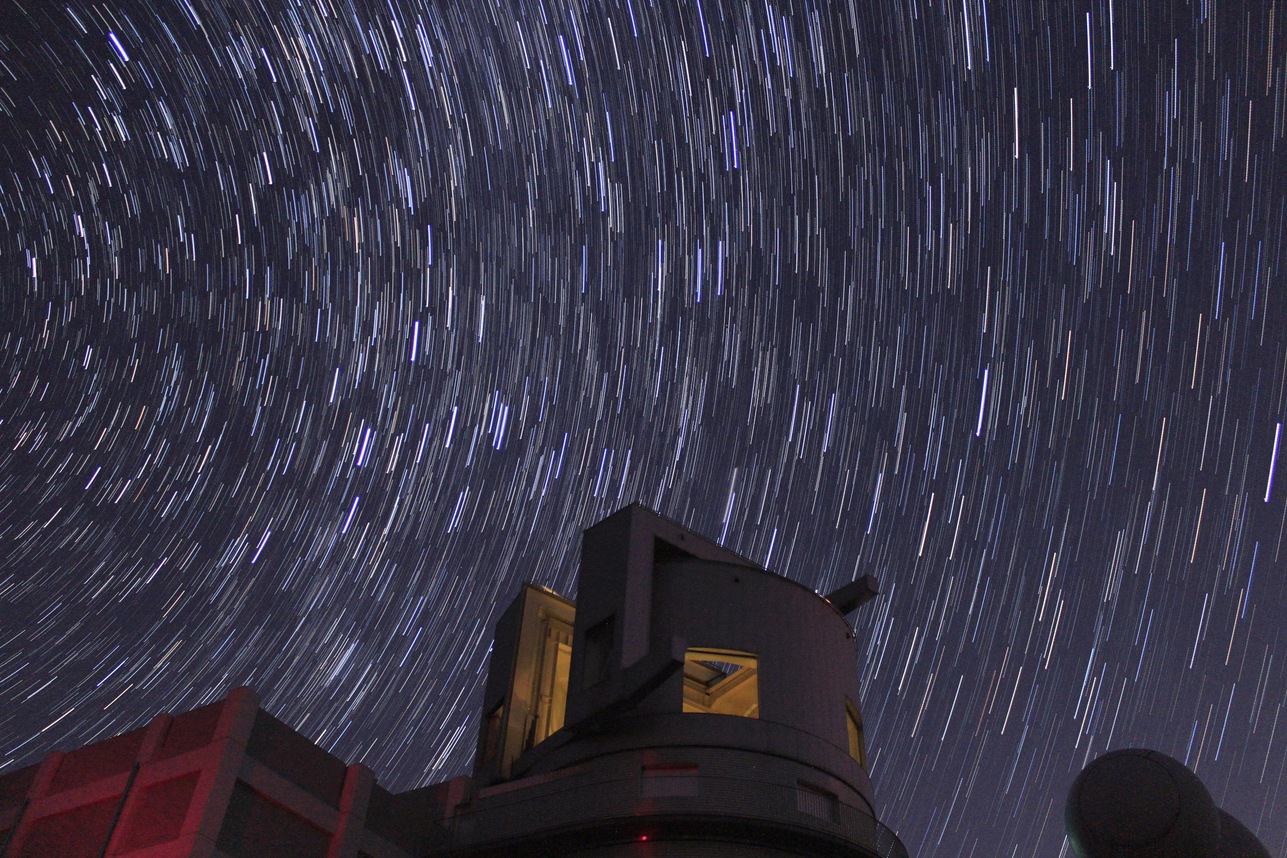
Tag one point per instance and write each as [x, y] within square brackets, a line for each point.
[226, 779]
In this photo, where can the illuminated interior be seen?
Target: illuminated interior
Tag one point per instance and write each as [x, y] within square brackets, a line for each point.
[857, 744]
[552, 678]
[722, 682]
[534, 703]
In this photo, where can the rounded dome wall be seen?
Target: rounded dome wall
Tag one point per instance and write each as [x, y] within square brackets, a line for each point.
[1137, 803]
[807, 666]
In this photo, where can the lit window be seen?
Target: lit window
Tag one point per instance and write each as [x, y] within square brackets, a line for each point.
[534, 651]
[857, 745]
[722, 682]
[552, 678]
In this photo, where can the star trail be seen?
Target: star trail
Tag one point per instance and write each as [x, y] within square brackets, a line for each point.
[325, 323]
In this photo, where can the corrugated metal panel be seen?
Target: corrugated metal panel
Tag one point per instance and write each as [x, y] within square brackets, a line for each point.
[815, 801]
[668, 780]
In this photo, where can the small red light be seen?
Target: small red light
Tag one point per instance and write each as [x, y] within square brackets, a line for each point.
[644, 837]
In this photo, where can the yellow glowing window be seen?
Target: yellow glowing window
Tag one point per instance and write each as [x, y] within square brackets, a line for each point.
[722, 682]
[857, 745]
[552, 679]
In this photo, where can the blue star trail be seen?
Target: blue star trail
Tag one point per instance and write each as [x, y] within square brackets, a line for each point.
[325, 323]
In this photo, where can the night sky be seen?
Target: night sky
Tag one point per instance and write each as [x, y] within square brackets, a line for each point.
[324, 324]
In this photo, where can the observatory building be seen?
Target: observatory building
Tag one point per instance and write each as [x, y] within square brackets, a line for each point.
[1138, 803]
[689, 703]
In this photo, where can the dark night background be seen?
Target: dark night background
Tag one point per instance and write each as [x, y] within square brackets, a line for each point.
[325, 323]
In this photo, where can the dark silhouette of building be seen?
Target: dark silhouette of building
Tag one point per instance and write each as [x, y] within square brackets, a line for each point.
[689, 703]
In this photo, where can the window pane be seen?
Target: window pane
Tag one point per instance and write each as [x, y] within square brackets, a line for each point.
[551, 678]
[857, 745]
[722, 682]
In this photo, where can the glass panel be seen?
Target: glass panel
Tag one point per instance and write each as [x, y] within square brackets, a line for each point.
[857, 745]
[562, 665]
[722, 682]
[552, 678]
